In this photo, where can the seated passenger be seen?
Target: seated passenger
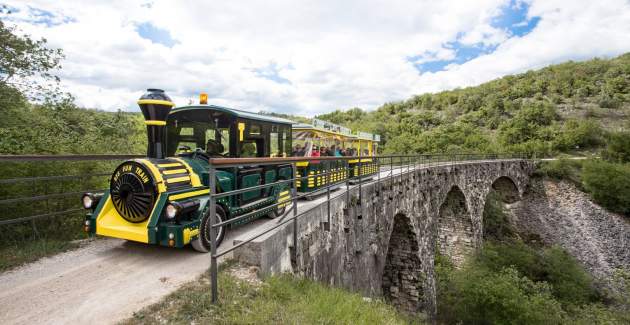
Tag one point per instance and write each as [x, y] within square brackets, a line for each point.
[334, 151]
[214, 148]
[315, 152]
[298, 151]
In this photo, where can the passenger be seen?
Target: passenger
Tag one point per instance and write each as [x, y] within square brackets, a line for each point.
[323, 151]
[335, 151]
[315, 152]
[298, 151]
[332, 151]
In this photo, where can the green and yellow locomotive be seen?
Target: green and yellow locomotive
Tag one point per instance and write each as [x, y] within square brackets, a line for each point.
[163, 199]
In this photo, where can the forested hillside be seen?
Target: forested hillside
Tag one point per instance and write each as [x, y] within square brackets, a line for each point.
[562, 108]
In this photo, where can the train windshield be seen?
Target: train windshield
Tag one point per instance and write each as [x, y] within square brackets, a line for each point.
[202, 131]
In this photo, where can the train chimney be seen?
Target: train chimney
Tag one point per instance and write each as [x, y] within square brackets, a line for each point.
[155, 106]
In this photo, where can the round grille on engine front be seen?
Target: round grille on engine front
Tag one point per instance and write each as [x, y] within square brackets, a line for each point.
[132, 191]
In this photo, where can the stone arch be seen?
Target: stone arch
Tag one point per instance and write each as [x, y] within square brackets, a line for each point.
[455, 229]
[402, 282]
[506, 189]
[495, 223]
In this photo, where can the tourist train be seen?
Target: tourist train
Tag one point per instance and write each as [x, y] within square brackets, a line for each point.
[164, 198]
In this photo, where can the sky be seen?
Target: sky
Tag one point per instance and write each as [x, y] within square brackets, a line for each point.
[310, 57]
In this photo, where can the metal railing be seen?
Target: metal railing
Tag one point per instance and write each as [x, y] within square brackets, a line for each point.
[393, 165]
[44, 182]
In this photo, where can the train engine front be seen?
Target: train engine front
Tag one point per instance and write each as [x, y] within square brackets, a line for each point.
[155, 200]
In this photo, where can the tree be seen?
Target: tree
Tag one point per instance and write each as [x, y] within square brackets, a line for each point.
[26, 68]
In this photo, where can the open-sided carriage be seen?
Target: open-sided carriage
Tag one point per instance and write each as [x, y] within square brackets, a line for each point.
[366, 145]
[328, 139]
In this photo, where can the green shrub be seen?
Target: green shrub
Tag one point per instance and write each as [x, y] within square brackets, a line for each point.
[569, 282]
[526, 123]
[496, 225]
[608, 184]
[618, 147]
[578, 135]
[476, 295]
[561, 169]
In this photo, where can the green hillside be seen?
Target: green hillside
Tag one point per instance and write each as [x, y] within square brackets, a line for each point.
[562, 108]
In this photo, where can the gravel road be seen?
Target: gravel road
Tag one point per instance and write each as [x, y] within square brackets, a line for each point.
[101, 283]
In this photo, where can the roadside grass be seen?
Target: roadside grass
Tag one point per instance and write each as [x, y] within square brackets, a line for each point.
[280, 299]
[12, 256]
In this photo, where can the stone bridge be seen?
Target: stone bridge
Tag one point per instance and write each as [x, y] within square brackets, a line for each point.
[383, 241]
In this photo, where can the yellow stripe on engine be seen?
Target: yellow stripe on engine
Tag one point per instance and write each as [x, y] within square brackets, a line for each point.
[156, 102]
[170, 165]
[189, 194]
[156, 174]
[154, 122]
[174, 171]
[194, 178]
[178, 179]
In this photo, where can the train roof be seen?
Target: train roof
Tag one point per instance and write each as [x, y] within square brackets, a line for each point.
[236, 113]
[304, 126]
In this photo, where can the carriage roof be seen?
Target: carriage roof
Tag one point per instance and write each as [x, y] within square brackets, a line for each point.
[235, 113]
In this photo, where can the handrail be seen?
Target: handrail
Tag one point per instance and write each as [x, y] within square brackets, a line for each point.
[66, 157]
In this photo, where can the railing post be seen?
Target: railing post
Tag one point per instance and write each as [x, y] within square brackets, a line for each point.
[328, 195]
[391, 173]
[360, 189]
[378, 182]
[213, 234]
[295, 212]
[347, 168]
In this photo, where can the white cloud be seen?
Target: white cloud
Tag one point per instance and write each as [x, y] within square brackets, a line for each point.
[334, 54]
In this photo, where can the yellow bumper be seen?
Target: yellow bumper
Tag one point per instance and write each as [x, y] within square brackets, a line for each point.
[109, 223]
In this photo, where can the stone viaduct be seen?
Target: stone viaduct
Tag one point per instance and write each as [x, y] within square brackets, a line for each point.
[385, 244]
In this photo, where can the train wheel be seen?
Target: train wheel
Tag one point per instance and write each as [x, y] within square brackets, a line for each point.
[202, 243]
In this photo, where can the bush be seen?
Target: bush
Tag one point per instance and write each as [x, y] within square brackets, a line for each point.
[479, 296]
[608, 184]
[496, 225]
[569, 283]
[560, 169]
[618, 148]
[578, 135]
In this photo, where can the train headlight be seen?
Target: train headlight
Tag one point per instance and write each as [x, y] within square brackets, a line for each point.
[90, 200]
[172, 209]
[176, 209]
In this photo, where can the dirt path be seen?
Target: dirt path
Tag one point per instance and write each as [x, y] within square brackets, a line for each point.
[101, 283]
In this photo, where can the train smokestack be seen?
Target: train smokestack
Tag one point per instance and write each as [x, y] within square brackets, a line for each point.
[155, 106]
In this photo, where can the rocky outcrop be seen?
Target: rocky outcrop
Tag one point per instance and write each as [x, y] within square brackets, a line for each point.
[561, 214]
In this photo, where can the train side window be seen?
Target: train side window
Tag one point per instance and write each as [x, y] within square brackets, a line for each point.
[286, 141]
[225, 140]
[186, 131]
[254, 129]
[275, 145]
